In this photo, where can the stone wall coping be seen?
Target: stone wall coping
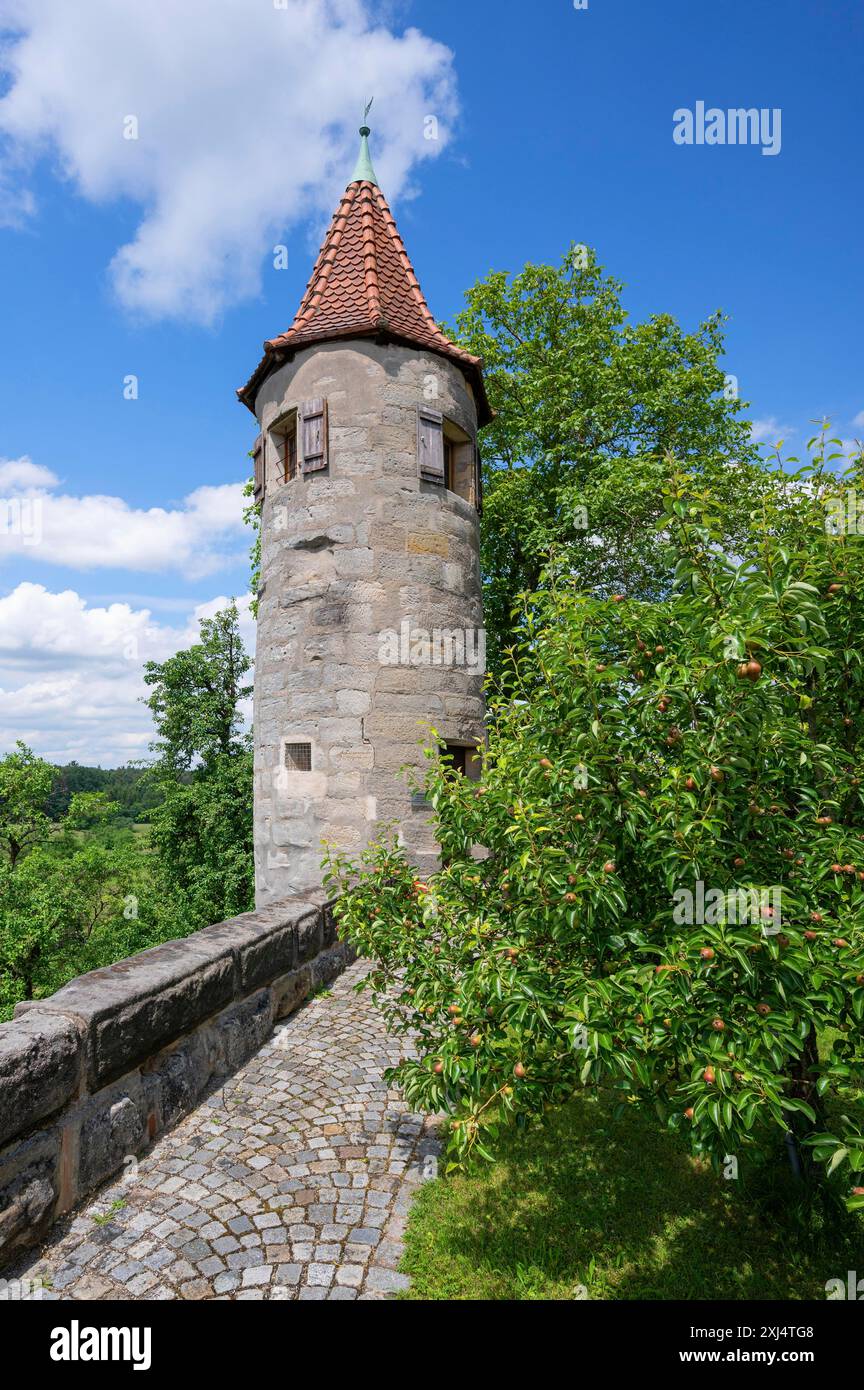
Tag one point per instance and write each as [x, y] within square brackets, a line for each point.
[128, 1010]
[39, 1070]
[97, 1070]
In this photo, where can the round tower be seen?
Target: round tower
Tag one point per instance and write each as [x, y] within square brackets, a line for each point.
[370, 624]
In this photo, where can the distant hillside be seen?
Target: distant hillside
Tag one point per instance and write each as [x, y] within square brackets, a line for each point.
[129, 786]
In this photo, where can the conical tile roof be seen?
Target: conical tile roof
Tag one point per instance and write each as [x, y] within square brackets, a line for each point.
[364, 286]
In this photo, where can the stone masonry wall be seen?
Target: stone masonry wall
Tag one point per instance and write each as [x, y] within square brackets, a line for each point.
[347, 555]
[90, 1075]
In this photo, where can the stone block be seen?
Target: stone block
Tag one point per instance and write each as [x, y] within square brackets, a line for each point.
[293, 870]
[354, 562]
[353, 759]
[244, 1027]
[311, 704]
[134, 1007]
[427, 543]
[295, 785]
[344, 835]
[298, 831]
[324, 538]
[353, 701]
[347, 730]
[345, 784]
[113, 1127]
[321, 649]
[424, 705]
[289, 991]
[335, 614]
[330, 924]
[331, 963]
[266, 943]
[302, 593]
[388, 729]
[40, 1064]
[356, 617]
[29, 1185]
[310, 936]
[329, 487]
[183, 1072]
[272, 682]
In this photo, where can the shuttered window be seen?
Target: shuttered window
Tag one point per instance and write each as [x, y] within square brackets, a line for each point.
[313, 435]
[289, 454]
[430, 444]
[283, 437]
[258, 468]
[462, 477]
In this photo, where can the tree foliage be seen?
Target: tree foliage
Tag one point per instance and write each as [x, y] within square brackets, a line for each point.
[66, 905]
[25, 782]
[202, 827]
[126, 786]
[588, 410]
[637, 748]
[77, 888]
[252, 517]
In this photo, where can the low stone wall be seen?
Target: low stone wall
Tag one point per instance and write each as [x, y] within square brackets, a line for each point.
[90, 1075]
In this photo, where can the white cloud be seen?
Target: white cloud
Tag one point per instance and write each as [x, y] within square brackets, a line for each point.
[202, 534]
[858, 422]
[769, 431]
[71, 675]
[22, 476]
[246, 114]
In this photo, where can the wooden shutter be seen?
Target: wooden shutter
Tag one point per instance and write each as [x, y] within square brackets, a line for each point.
[258, 467]
[430, 444]
[464, 476]
[313, 435]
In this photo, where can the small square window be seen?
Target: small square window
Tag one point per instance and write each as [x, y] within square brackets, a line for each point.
[455, 756]
[298, 757]
[464, 759]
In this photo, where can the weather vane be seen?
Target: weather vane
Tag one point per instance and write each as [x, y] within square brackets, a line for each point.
[368, 107]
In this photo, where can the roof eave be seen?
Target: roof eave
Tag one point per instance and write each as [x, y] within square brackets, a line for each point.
[275, 354]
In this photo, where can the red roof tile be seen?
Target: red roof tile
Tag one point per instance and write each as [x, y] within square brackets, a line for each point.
[364, 285]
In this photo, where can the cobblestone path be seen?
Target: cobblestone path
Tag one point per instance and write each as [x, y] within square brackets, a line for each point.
[293, 1181]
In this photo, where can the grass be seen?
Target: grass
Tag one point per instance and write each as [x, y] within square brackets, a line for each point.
[105, 1218]
[615, 1206]
[115, 833]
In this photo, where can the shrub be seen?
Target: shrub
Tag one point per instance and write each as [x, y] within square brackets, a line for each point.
[638, 750]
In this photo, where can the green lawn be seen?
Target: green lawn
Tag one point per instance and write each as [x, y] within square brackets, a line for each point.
[616, 1206]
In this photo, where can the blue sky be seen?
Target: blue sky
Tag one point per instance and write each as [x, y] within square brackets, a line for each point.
[555, 126]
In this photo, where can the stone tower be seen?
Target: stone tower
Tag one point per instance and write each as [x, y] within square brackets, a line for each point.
[370, 609]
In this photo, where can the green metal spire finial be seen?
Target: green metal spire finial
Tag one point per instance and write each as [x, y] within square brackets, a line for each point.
[364, 170]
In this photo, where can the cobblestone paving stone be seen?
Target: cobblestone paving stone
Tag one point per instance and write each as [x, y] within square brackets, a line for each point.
[293, 1181]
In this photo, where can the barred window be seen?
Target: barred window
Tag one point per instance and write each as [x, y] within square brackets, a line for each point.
[298, 757]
